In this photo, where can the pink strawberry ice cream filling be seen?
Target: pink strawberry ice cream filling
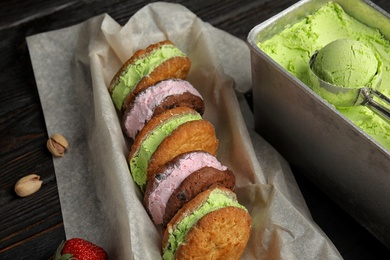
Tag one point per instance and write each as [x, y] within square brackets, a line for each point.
[190, 163]
[148, 100]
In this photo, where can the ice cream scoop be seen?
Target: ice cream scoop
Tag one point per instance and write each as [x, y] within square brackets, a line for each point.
[346, 73]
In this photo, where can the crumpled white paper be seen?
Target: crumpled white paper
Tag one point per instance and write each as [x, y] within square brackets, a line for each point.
[100, 202]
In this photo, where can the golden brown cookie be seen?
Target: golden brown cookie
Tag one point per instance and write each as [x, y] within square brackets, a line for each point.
[221, 234]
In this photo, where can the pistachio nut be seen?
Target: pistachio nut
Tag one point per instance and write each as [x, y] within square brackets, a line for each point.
[57, 145]
[28, 185]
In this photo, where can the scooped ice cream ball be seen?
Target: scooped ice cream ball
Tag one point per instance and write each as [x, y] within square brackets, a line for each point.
[346, 63]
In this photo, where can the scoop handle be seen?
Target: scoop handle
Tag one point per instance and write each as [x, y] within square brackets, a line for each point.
[375, 106]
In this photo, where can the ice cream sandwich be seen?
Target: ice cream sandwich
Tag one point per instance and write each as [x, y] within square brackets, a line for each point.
[180, 180]
[150, 137]
[213, 225]
[157, 98]
[196, 135]
[159, 61]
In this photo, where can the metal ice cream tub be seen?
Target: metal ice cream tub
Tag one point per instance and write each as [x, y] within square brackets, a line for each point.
[342, 160]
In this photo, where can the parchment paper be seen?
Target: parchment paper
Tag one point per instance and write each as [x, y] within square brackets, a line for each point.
[99, 199]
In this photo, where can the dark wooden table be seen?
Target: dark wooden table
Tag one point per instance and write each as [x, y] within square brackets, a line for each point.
[32, 227]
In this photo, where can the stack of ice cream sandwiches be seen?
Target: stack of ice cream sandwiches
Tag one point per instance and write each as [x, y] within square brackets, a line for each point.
[173, 157]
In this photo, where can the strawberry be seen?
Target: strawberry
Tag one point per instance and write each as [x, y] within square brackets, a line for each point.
[80, 249]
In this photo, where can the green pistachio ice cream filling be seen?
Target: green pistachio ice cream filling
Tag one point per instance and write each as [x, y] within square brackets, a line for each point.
[216, 200]
[139, 69]
[139, 162]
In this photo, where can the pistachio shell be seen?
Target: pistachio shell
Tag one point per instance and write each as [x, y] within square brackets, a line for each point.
[28, 185]
[57, 145]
